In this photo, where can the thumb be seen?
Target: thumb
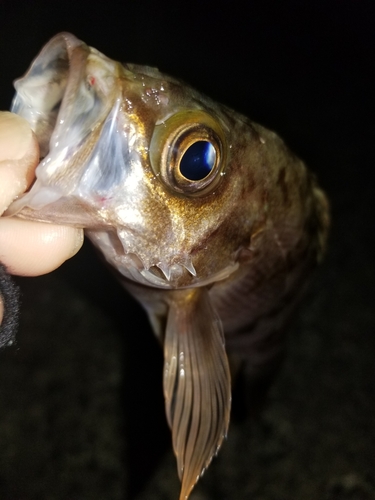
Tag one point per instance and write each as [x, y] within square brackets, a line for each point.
[19, 155]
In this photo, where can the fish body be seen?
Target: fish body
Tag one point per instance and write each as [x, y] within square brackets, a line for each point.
[206, 217]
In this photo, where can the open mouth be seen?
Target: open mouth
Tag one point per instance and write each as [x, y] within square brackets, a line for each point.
[70, 97]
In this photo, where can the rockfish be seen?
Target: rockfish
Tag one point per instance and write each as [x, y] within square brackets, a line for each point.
[207, 218]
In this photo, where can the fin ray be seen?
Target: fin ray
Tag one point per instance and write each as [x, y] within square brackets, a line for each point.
[196, 383]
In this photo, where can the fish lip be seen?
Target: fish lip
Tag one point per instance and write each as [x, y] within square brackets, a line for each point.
[62, 46]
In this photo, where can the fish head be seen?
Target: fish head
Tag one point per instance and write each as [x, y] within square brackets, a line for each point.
[149, 167]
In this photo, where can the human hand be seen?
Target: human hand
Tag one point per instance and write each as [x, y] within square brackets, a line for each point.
[27, 248]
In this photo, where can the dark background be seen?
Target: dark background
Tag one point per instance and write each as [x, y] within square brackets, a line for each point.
[81, 409]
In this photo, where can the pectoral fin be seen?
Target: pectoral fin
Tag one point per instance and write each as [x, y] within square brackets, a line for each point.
[197, 385]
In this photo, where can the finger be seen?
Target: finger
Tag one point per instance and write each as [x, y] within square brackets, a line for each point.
[31, 248]
[19, 155]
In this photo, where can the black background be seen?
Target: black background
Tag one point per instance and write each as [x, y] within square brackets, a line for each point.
[81, 410]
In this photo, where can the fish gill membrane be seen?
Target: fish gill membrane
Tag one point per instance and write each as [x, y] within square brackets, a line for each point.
[207, 218]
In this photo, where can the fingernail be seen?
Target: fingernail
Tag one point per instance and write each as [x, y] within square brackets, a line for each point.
[15, 136]
[78, 241]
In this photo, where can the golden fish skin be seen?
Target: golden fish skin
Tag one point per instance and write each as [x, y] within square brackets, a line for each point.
[208, 219]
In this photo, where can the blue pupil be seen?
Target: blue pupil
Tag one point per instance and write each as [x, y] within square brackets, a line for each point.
[198, 161]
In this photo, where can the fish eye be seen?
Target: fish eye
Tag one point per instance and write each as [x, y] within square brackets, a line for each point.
[198, 160]
[188, 150]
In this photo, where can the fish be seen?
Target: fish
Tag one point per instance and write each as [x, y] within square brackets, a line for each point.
[207, 219]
